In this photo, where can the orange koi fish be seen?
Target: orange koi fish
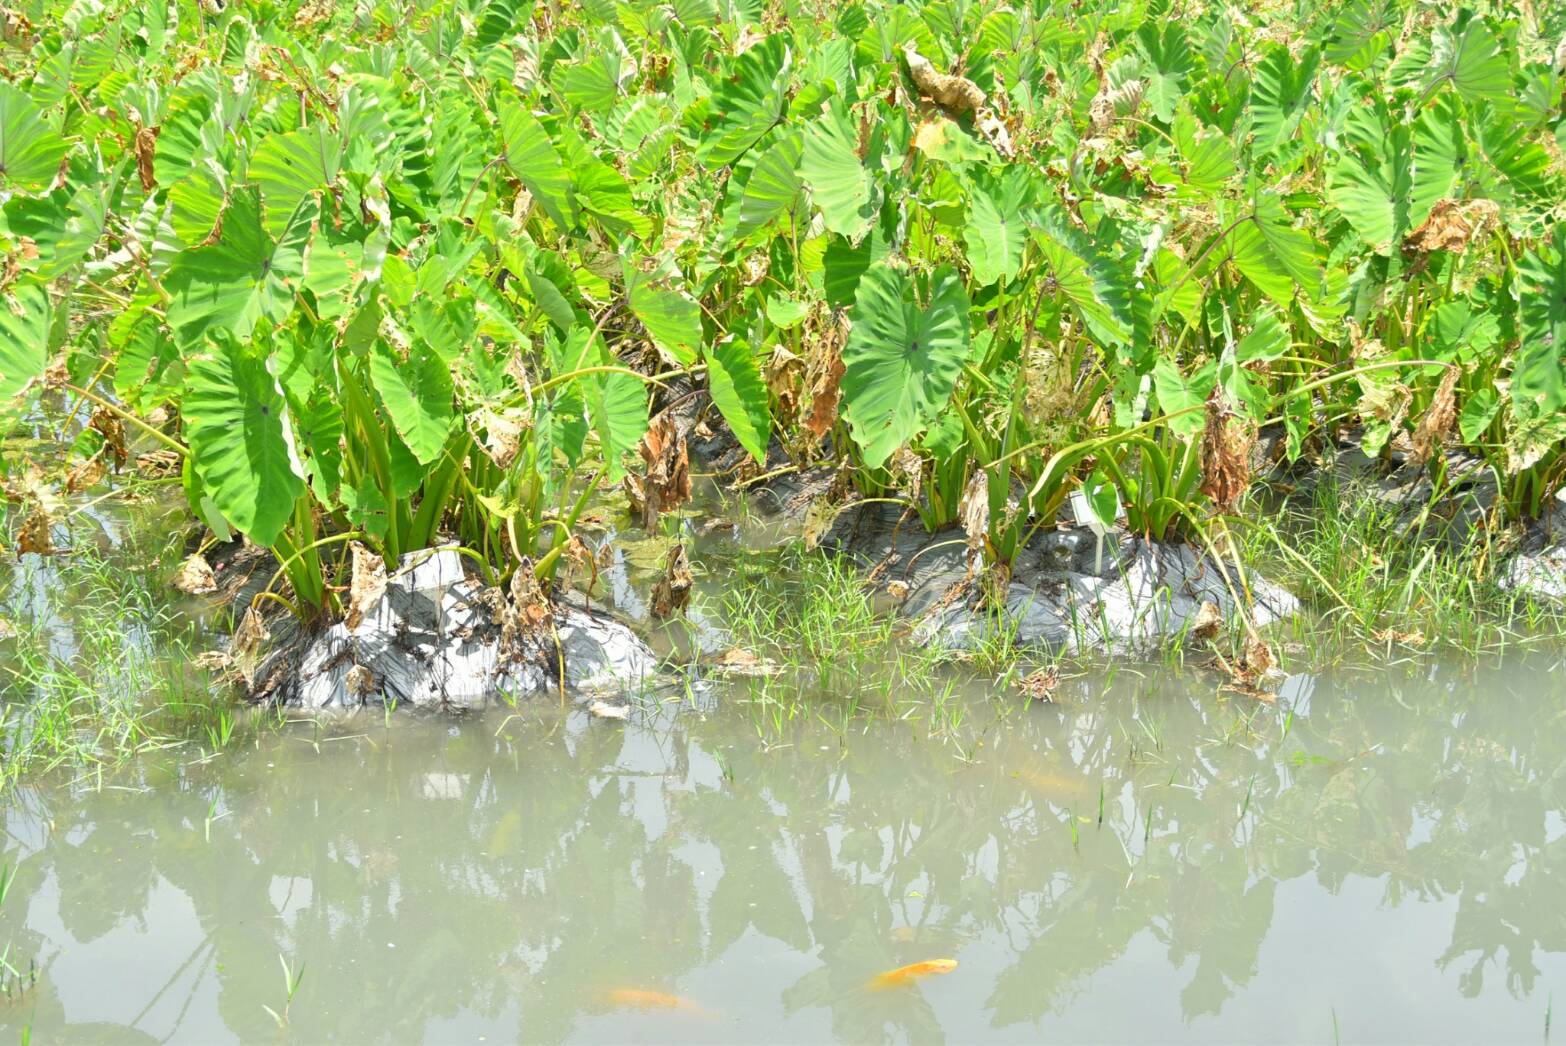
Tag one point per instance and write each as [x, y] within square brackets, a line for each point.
[647, 999]
[913, 972]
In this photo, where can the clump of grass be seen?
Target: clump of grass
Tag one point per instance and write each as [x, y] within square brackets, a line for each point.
[99, 669]
[1370, 576]
[834, 651]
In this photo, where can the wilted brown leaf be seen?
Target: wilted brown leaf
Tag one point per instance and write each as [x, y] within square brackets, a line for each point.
[36, 533]
[635, 494]
[1207, 622]
[360, 682]
[244, 649]
[667, 485]
[194, 576]
[112, 429]
[1041, 684]
[85, 475]
[825, 373]
[1451, 225]
[908, 467]
[672, 591]
[523, 612]
[953, 93]
[785, 374]
[741, 662]
[974, 511]
[146, 149]
[367, 585]
[1226, 453]
[1438, 417]
[156, 463]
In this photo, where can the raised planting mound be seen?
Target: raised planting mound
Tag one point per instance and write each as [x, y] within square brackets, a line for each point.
[369, 281]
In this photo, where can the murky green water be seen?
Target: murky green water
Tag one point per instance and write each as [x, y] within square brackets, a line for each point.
[1389, 863]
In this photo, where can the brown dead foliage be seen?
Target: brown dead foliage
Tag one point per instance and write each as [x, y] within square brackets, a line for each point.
[1438, 418]
[1255, 667]
[667, 484]
[146, 145]
[360, 682]
[522, 611]
[741, 662]
[1451, 226]
[824, 371]
[36, 533]
[86, 474]
[195, 577]
[1226, 453]
[956, 94]
[244, 649]
[973, 510]
[367, 585]
[1041, 684]
[112, 429]
[1207, 622]
[785, 373]
[672, 591]
[157, 463]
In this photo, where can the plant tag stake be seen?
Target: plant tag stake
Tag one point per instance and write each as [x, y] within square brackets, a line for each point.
[1087, 516]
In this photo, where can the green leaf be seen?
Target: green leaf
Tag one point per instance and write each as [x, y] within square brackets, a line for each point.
[417, 395]
[1272, 253]
[773, 188]
[530, 154]
[672, 318]
[289, 167]
[617, 404]
[30, 150]
[740, 394]
[1178, 393]
[1478, 412]
[786, 313]
[747, 103]
[1472, 61]
[902, 360]
[839, 183]
[560, 431]
[25, 317]
[242, 277]
[236, 425]
[1086, 279]
[1207, 155]
[1386, 185]
[1267, 340]
[1281, 95]
[996, 231]
[1167, 63]
[1362, 33]
[1539, 375]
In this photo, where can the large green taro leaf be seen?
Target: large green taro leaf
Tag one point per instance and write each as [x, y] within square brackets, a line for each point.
[417, 395]
[237, 428]
[245, 275]
[902, 360]
[30, 150]
[24, 338]
[740, 394]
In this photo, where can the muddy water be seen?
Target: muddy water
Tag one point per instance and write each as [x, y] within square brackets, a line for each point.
[1145, 860]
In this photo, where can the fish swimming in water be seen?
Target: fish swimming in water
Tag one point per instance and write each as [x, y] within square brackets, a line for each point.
[647, 999]
[913, 972]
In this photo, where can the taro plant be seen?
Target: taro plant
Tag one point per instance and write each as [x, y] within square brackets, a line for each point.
[420, 272]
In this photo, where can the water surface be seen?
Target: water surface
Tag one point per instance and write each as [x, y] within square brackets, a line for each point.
[1145, 860]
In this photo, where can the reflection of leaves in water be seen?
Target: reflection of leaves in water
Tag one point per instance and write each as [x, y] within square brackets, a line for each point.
[574, 860]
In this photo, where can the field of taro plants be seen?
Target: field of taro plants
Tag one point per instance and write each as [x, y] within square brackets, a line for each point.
[404, 272]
